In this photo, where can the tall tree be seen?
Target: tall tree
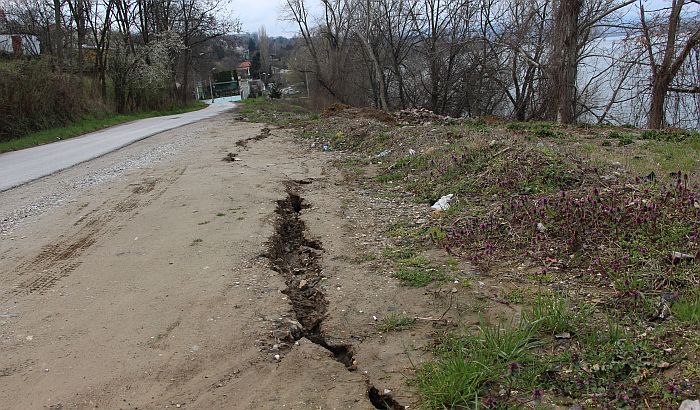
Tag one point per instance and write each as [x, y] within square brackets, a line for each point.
[264, 46]
[58, 34]
[564, 61]
[668, 44]
[99, 21]
[197, 23]
[366, 29]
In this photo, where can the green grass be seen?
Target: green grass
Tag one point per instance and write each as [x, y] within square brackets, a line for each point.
[472, 367]
[516, 296]
[418, 271]
[393, 323]
[86, 125]
[687, 309]
[670, 135]
[622, 137]
[404, 229]
[540, 129]
[673, 157]
[280, 112]
[549, 314]
[415, 277]
[397, 253]
[499, 366]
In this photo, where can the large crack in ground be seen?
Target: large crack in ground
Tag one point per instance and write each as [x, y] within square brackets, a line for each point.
[264, 133]
[298, 259]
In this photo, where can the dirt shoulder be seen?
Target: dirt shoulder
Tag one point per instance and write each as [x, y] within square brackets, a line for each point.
[143, 279]
[569, 255]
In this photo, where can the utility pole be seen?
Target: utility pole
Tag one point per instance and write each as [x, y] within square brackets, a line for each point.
[211, 88]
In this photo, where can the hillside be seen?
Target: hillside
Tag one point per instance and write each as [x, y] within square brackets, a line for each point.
[566, 262]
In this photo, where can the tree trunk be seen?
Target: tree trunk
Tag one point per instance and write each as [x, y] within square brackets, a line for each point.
[665, 72]
[399, 77]
[564, 63]
[434, 81]
[58, 33]
[184, 93]
[80, 20]
[119, 95]
[657, 108]
[520, 109]
[103, 79]
[384, 105]
[381, 84]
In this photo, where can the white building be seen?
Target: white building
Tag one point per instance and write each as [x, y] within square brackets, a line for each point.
[19, 44]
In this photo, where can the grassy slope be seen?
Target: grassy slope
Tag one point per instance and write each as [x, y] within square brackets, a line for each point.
[608, 318]
[86, 125]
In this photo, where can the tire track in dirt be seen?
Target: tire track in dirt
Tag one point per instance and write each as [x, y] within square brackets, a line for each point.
[58, 260]
[298, 259]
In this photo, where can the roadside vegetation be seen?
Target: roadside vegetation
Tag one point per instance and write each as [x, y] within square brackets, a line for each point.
[88, 124]
[40, 105]
[593, 233]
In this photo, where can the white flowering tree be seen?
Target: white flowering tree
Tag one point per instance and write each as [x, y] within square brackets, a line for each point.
[143, 75]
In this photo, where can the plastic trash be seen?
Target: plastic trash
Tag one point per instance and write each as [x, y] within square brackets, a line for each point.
[443, 204]
[384, 153]
[690, 405]
[411, 152]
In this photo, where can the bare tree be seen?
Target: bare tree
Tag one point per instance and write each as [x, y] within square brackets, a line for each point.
[668, 44]
[518, 33]
[328, 45]
[394, 20]
[197, 23]
[444, 30]
[99, 21]
[367, 28]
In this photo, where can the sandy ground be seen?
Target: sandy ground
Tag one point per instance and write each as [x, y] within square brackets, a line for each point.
[151, 289]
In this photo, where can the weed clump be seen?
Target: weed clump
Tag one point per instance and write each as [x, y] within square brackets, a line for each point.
[472, 370]
[672, 135]
[393, 323]
[418, 271]
[626, 236]
[687, 308]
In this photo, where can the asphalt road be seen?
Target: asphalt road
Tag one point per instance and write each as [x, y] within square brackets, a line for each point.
[20, 167]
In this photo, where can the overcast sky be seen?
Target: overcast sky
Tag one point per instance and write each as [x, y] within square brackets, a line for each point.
[256, 13]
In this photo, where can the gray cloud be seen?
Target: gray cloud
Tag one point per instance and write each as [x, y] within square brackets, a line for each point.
[256, 13]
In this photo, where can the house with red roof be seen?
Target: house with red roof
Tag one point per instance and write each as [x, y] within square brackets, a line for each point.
[243, 69]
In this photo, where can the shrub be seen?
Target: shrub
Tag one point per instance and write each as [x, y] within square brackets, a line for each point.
[34, 98]
[274, 91]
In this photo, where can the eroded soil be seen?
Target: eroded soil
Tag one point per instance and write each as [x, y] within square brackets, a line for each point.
[201, 283]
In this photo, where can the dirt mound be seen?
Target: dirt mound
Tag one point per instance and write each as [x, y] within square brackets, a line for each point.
[419, 116]
[334, 109]
[375, 114]
[346, 111]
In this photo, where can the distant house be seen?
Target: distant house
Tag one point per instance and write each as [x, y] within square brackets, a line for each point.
[14, 42]
[243, 69]
[226, 83]
[221, 84]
